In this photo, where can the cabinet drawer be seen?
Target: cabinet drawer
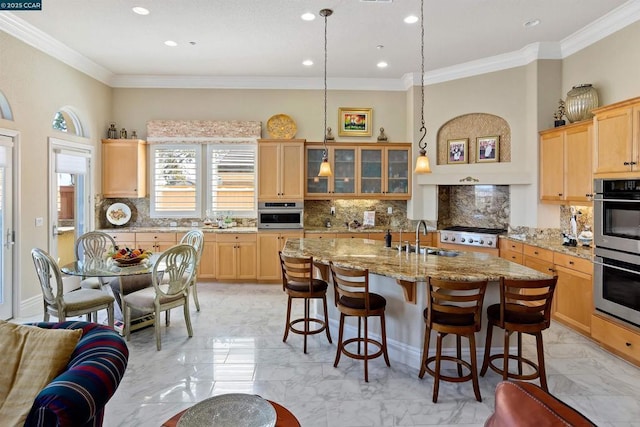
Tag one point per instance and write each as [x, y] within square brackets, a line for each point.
[230, 238]
[510, 245]
[156, 237]
[208, 237]
[574, 263]
[319, 235]
[512, 256]
[123, 237]
[352, 235]
[622, 340]
[539, 253]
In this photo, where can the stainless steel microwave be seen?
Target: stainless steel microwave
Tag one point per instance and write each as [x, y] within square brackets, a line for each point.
[280, 215]
[616, 214]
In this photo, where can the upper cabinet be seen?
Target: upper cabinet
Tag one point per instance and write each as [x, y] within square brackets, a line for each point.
[280, 169]
[566, 163]
[366, 170]
[617, 139]
[124, 168]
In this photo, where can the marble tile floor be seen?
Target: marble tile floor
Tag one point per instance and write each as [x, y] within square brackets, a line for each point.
[237, 347]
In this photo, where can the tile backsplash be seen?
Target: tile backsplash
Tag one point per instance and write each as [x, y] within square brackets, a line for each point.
[318, 212]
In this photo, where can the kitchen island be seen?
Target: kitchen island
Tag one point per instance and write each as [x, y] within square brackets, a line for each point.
[400, 277]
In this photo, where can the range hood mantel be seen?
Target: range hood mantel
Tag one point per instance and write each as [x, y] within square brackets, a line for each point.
[474, 178]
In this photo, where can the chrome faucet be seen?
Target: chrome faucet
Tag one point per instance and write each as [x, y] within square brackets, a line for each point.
[418, 234]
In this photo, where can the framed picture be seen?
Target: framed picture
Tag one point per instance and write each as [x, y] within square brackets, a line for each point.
[354, 121]
[487, 148]
[458, 151]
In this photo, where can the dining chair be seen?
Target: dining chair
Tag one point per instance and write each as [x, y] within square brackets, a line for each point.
[195, 238]
[93, 247]
[171, 277]
[75, 303]
[353, 298]
[524, 308]
[453, 307]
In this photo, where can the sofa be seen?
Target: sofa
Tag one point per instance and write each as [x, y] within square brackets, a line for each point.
[525, 404]
[77, 397]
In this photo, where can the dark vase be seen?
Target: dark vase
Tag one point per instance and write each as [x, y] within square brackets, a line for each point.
[558, 123]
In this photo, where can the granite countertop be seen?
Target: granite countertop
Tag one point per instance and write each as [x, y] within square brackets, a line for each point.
[553, 244]
[372, 255]
[179, 230]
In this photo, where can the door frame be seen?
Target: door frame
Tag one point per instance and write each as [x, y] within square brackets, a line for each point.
[16, 205]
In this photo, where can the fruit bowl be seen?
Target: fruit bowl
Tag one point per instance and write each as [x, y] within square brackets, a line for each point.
[126, 256]
[129, 261]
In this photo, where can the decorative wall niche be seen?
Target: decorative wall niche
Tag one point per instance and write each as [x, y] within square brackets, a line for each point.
[472, 126]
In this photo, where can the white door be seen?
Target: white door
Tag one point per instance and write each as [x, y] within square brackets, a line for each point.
[7, 233]
[70, 204]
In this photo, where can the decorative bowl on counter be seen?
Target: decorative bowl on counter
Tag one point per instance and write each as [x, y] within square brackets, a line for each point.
[125, 256]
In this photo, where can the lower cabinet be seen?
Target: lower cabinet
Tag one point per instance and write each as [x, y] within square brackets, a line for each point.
[236, 256]
[208, 260]
[269, 244]
[123, 240]
[616, 337]
[573, 301]
[155, 242]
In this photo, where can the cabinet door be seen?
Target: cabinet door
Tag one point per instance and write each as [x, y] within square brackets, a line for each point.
[552, 166]
[315, 185]
[124, 239]
[226, 265]
[124, 168]
[268, 171]
[578, 164]
[291, 171]
[208, 260]
[371, 165]
[574, 299]
[268, 262]
[397, 172]
[344, 171]
[246, 260]
[614, 141]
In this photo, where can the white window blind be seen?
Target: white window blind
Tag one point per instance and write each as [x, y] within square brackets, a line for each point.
[232, 179]
[71, 162]
[175, 179]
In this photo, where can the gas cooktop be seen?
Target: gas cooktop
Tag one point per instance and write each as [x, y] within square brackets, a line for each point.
[471, 236]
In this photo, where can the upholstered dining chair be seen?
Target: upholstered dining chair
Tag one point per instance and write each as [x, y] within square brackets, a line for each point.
[93, 246]
[171, 277]
[195, 238]
[75, 303]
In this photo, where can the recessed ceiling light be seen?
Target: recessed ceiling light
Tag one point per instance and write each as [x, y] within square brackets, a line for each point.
[308, 16]
[531, 23]
[140, 10]
[411, 19]
[380, 46]
[307, 62]
[382, 64]
[171, 43]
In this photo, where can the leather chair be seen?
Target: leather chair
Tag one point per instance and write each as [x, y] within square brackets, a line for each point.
[525, 308]
[353, 298]
[298, 282]
[453, 307]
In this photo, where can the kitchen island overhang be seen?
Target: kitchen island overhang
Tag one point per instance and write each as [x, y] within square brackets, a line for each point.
[389, 268]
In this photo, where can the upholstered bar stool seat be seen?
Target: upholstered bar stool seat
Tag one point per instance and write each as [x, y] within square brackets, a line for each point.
[298, 282]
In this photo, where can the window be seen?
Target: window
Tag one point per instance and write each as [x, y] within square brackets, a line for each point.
[183, 185]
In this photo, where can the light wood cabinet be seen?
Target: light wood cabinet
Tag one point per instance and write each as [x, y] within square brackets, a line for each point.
[617, 139]
[621, 339]
[155, 242]
[365, 170]
[207, 268]
[573, 300]
[538, 258]
[280, 169]
[236, 256]
[124, 168]
[510, 250]
[320, 235]
[124, 239]
[566, 167]
[269, 244]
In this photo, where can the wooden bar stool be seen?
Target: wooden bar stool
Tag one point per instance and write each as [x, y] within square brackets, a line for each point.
[525, 308]
[298, 282]
[352, 297]
[453, 307]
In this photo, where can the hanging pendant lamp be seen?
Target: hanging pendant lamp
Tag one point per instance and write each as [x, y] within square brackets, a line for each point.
[422, 162]
[325, 166]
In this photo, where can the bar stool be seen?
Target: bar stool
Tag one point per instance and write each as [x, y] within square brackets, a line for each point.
[453, 307]
[352, 297]
[298, 282]
[525, 308]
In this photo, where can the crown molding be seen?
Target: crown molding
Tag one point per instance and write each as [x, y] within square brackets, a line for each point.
[624, 15]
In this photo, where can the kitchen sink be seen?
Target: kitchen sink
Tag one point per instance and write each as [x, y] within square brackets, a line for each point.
[430, 251]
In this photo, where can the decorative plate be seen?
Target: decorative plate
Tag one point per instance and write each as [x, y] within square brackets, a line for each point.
[118, 214]
[230, 410]
[281, 126]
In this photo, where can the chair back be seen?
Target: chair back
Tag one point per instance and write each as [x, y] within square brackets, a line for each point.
[49, 276]
[527, 298]
[174, 271]
[296, 270]
[350, 283]
[455, 304]
[94, 245]
[194, 238]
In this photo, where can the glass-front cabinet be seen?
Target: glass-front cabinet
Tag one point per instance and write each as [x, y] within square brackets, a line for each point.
[365, 170]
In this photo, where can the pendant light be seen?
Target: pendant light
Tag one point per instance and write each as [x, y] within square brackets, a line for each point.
[422, 162]
[325, 166]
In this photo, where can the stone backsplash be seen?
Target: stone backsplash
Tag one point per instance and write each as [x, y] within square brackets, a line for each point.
[484, 206]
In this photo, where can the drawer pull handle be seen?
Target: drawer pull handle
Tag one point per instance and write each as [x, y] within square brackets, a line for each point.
[536, 252]
[570, 262]
[628, 344]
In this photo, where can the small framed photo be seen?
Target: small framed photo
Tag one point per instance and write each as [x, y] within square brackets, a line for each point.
[487, 148]
[354, 121]
[457, 149]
